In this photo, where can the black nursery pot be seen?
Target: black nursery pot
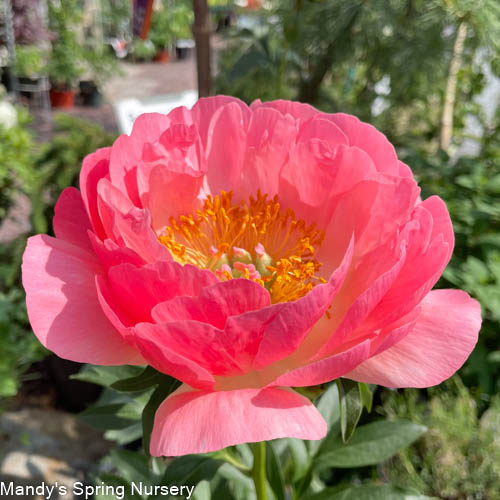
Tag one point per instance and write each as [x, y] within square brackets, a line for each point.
[7, 79]
[90, 94]
[182, 52]
[183, 48]
[25, 80]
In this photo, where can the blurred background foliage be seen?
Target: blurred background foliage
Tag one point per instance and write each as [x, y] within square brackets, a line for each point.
[420, 71]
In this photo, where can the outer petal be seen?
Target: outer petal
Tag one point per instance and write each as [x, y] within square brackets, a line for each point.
[199, 422]
[71, 222]
[298, 110]
[430, 242]
[369, 139]
[440, 342]
[63, 307]
[127, 152]
[95, 167]
[205, 108]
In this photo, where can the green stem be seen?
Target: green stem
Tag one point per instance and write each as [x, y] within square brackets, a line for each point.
[259, 470]
[231, 459]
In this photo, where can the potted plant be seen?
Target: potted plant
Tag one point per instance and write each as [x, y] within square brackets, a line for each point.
[143, 50]
[182, 19]
[64, 70]
[102, 65]
[66, 61]
[161, 34]
[29, 63]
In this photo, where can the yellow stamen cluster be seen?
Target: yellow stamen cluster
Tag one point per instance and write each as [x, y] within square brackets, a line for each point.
[208, 237]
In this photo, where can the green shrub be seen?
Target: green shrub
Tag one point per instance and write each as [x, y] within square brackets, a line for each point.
[59, 163]
[17, 164]
[470, 187]
[29, 61]
[459, 457]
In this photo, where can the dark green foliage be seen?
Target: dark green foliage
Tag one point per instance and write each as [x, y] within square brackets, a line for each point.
[16, 165]
[18, 347]
[40, 173]
[59, 163]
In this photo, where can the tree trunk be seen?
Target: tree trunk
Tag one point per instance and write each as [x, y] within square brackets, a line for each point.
[446, 131]
[201, 32]
[309, 88]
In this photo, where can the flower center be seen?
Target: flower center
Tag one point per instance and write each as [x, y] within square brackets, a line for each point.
[254, 239]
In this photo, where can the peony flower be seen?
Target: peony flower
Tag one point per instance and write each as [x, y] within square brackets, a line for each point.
[246, 251]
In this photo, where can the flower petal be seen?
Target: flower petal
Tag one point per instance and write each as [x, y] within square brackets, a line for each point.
[369, 139]
[270, 137]
[95, 167]
[159, 354]
[205, 108]
[128, 225]
[298, 110]
[199, 422]
[135, 291]
[440, 342]
[215, 303]
[63, 308]
[126, 152]
[71, 222]
[226, 142]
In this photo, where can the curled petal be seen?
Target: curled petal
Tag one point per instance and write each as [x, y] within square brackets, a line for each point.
[71, 222]
[438, 345]
[191, 421]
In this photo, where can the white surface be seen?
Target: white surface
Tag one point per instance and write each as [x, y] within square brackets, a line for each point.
[127, 110]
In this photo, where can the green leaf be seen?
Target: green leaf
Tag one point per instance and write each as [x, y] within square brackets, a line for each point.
[366, 396]
[106, 375]
[113, 416]
[190, 470]
[148, 378]
[240, 485]
[274, 473]
[300, 458]
[126, 435]
[370, 445]
[166, 387]
[116, 482]
[134, 466]
[351, 407]
[329, 407]
[367, 492]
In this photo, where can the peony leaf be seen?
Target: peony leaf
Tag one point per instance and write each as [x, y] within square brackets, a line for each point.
[190, 470]
[164, 389]
[148, 378]
[370, 445]
[351, 407]
[106, 375]
[366, 395]
[112, 416]
[274, 473]
[329, 407]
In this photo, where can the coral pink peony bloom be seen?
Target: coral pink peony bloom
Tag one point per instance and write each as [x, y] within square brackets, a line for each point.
[244, 251]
